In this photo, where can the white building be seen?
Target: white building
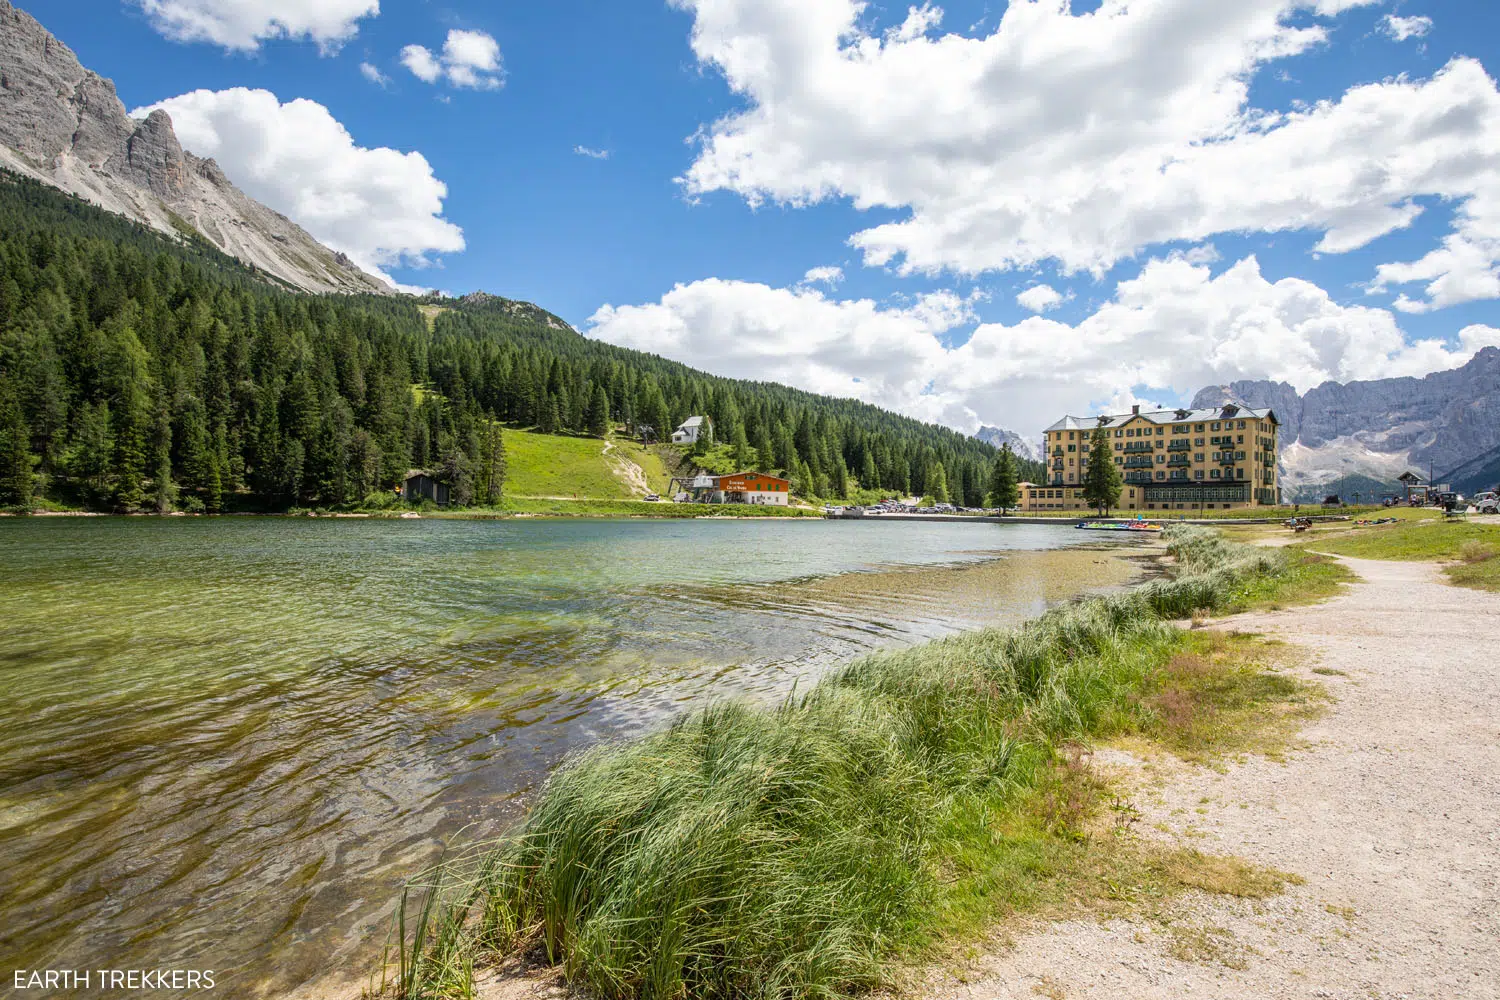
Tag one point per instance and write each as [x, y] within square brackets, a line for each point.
[693, 430]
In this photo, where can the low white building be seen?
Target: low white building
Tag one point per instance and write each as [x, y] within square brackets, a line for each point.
[693, 430]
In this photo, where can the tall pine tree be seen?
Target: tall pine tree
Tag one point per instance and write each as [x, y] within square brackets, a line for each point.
[1101, 483]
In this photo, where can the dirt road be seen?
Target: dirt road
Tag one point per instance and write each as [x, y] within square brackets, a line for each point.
[1392, 816]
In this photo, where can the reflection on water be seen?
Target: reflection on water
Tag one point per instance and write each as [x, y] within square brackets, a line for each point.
[224, 742]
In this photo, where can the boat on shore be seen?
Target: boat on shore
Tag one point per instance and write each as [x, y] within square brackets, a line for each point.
[1118, 526]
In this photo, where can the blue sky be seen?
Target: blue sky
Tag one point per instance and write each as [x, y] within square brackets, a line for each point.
[930, 324]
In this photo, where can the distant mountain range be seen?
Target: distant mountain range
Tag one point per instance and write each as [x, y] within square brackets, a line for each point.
[999, 437]
[64, 125]
[1446, 424]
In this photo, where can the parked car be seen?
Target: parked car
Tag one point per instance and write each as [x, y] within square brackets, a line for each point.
[1487, 503]
[652, 498]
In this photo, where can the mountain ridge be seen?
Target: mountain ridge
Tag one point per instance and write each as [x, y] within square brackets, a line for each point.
[64, 125]
[1378, 428]
[999, 437]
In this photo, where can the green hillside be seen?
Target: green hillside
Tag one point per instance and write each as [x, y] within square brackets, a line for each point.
[139, 372]
[553, 466]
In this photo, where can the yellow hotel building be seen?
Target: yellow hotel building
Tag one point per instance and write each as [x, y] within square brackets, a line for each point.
[1177, 460]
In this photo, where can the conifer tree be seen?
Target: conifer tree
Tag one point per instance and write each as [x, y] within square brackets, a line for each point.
[937, 483]
[17, 463]
[598, 416]
[1101, 483]
[1002, 484]
[492, 464]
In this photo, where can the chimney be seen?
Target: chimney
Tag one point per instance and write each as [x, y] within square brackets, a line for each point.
[1135, 411]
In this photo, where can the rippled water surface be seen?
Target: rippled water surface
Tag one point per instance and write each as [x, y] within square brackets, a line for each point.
[225, 742]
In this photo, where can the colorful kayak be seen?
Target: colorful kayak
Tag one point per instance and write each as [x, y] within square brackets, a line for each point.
[1128, 526]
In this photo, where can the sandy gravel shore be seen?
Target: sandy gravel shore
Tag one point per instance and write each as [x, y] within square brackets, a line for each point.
[1392, 815]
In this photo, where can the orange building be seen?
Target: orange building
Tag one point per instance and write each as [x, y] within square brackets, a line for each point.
[750, 487]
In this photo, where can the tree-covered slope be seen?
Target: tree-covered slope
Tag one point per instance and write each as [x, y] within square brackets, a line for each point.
[138, 372]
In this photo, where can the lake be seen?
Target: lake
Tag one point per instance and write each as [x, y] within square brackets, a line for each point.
[225, 742]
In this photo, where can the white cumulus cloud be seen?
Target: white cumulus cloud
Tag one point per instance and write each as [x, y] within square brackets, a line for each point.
[372, 73]
[1402, 28]
[829, 275]
[1165, 334]
[382, 207]
[1086, 138]
[241, 25]
[1040, 298]
[470, 60]
[591, 153]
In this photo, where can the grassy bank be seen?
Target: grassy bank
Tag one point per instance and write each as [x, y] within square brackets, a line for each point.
[904, 803]
[1471, 546]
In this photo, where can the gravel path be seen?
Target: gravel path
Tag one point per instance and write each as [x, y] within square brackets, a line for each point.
[1392, 815]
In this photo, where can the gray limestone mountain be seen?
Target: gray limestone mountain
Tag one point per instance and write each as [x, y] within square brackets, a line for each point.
[999, 436]
[1442, 422]
[64, 125]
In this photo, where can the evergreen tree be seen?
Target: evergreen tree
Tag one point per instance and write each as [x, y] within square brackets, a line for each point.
[598, 415]
[17, 463]
[1101, 483]
[803, 483]
[454, 469]
[163, 492]
[1002, 484]
[551, 419]
[937, 483]
[93, 447]
[492, 464]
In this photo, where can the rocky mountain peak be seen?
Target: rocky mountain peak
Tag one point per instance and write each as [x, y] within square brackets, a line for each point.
[999, 437]
[1382, 427]
[64, 125]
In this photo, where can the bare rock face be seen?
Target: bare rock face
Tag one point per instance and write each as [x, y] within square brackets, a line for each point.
[65, 125]
[154, 159]
[1380, 428]
[999, 437]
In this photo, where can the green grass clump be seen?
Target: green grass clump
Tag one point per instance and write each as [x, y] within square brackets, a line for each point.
[1225, 695]
[805, 850]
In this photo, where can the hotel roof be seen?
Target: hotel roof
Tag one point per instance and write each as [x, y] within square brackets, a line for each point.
[1183, 416]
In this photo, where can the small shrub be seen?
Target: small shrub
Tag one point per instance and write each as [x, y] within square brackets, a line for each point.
[1474, 551]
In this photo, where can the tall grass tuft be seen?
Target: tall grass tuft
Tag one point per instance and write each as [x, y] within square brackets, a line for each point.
[793, 852]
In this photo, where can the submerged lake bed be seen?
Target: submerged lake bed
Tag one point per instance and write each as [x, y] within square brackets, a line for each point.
[226, 741]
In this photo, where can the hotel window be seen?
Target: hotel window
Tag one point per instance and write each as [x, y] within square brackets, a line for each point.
[1214, 474]
[1198, 474]
[1242, 425]
[1199, 428]
[1161, 475]
[1242, 437]
[1198, 457]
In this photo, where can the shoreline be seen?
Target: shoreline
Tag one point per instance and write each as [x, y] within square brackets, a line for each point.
[1206, 553]
[1134, 563]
